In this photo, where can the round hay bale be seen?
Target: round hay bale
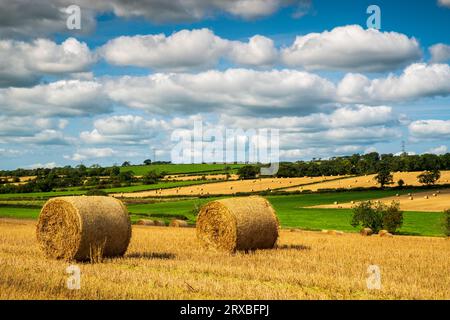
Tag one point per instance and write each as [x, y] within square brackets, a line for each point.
[411, 198]
[244, 223]
[386, 235]
[72, 228]
[426, 197]
[160, 223]
[178, 223]
[381, 233]
[334, 232]
[366, 232]
[145, 222]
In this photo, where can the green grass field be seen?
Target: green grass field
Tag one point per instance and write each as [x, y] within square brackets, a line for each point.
[181, 168]
[133, 188]
[290, 210]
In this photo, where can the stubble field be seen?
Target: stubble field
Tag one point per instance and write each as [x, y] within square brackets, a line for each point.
[168, 263]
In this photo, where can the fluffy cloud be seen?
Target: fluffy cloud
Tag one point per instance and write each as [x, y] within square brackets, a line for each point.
[31, 130]
[91, 153]
[344, 48]
[438, 150]
[343, 117]
[181, 51]
[234, 90]
[23, 18]
[417, 81]
[62, 98]
[124, 129]
[259, 51]
[200, 49]
[440, 53]
[430, 129]
[24, 63]
[352, 48]
[164, 11]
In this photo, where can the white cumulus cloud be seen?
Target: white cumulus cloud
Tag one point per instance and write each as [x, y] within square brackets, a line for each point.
[187, 50]
[440, 53]
[352, 48]
[23, 63]
[417, 81]
[430, 129]
[60, 98]
[91, 153]
[438, 150]
[234, 90]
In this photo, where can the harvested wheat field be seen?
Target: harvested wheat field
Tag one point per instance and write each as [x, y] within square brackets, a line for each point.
[169, 263]
[410, 179]
[228, 187]
[201, 177]
[429, 201]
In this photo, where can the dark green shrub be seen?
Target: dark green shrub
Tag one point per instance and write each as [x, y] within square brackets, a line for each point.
[248, 172]
[377, 216]
[447, 222]
[392, 217]
[429, 178]
[96, 192]
[367, 215]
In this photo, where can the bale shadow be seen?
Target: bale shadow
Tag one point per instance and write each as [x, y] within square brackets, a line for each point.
[151, 255]
[298, 247]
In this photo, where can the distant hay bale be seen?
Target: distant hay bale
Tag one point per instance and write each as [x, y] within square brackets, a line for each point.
[145, 222]
[434, 195]
[178, 223]
[336, 202]
[334, 232]
[382, 233]
[426, 197]
[160, 223]
[75, 228]
[385, 234]
[244, 223]
[411, 198]
[397, 195]
[366, 232]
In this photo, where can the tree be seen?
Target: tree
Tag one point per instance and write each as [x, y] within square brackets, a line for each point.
[447, 222]
[429, 177]
[384, 176]
[115, 171]
[151, 177]
[401, 183]
[368, 216]
[392, 217]
[377, 216]
[126, 164]
[248, 172]
[126, 177]
[148, 162]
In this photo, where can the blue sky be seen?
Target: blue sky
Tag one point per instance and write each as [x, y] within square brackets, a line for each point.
[132, 76]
